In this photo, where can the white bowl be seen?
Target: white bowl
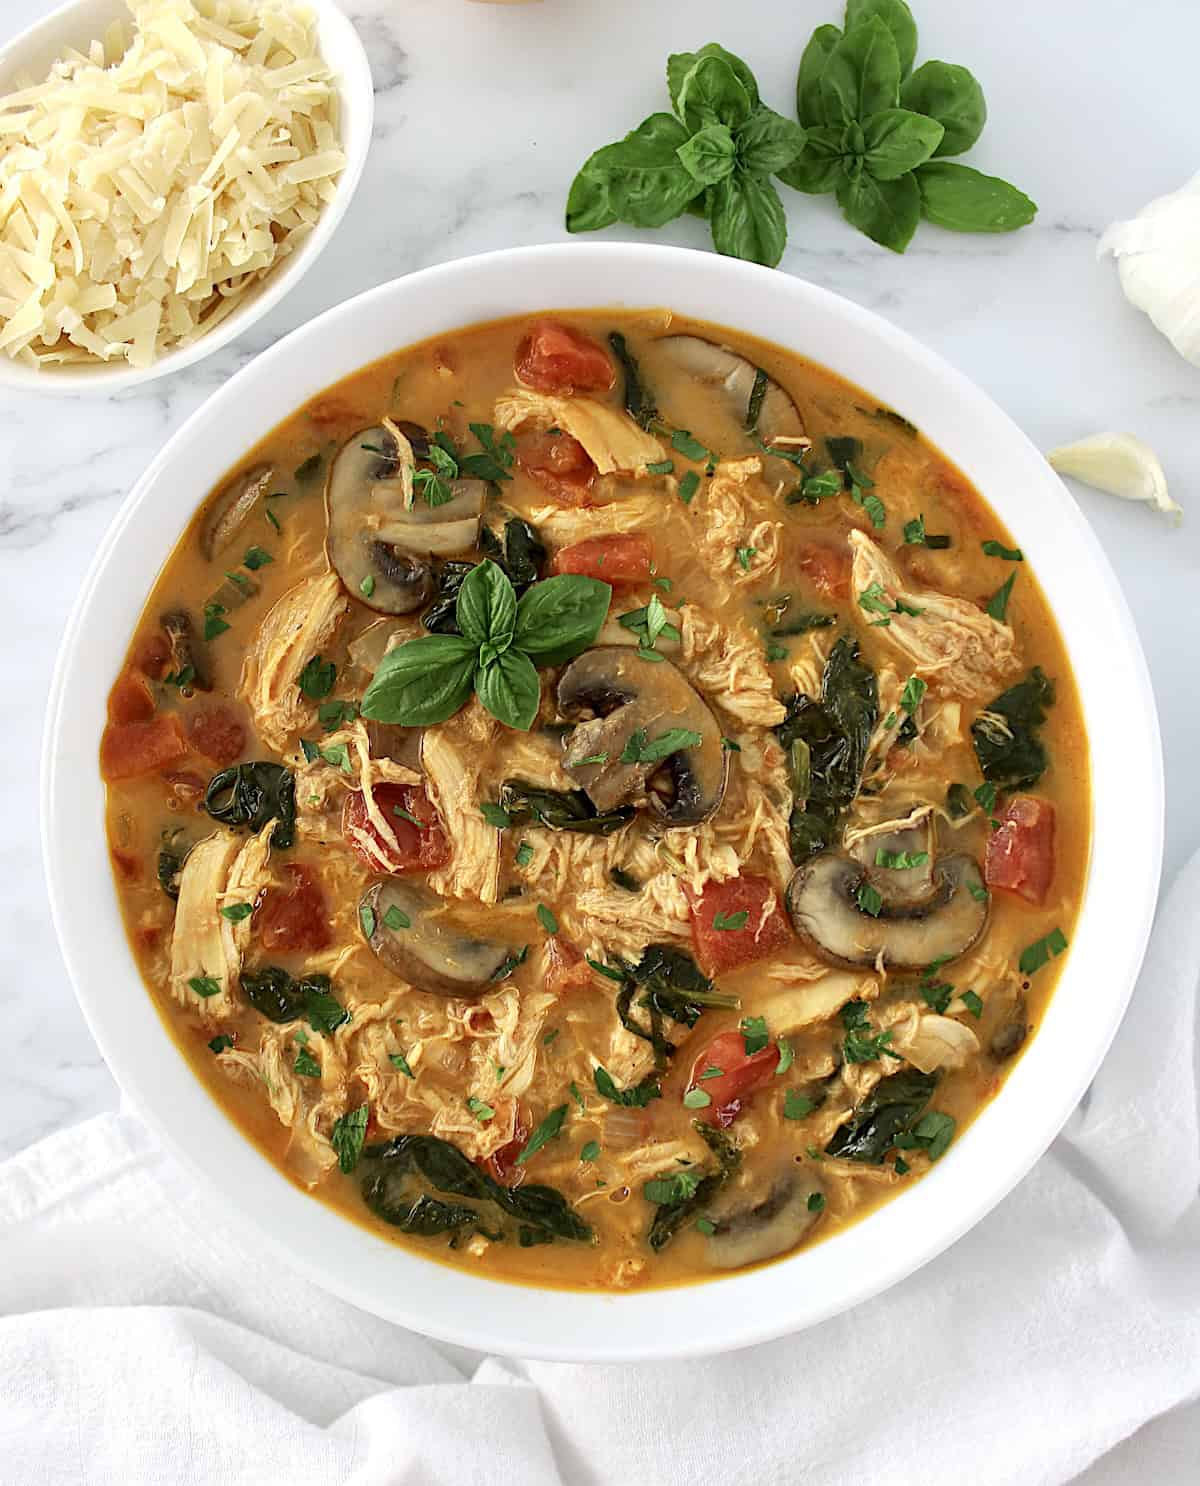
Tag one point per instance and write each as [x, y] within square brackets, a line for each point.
[1047, 1082]
[82, 21]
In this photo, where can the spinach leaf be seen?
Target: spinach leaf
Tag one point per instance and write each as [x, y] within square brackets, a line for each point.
[441, 617]
[1010, 753]
[273, 993]
[672, 985]
[687, 1199]
[802, 623]
[558, 810]
[251, 795]
[639, 404]
[748, 219]
[965, 200]
[170, 865]
[892, 1107]
[390, 1191]
[837, 731]
[949, 94]
[521, 555]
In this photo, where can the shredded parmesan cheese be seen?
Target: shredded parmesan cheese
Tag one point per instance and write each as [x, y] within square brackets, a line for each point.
[148, 184]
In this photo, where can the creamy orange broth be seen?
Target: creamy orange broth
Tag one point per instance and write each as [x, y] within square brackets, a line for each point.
[453, 381]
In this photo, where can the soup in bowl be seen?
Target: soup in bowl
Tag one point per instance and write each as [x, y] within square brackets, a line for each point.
[598, 798]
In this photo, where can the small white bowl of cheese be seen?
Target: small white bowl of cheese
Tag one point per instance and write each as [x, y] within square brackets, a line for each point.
[164, 186]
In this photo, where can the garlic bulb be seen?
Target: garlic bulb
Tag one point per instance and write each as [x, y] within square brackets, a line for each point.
[1118, 464]
[1158, 258]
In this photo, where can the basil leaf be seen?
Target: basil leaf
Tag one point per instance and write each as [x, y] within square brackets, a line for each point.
[486, 609]
[949, 94]
[422, 682]
[560, 617]
[638, 180]
[748, 220]
[768, 143]
[887, 211]
[588, 205]
[712, 92]
[510, 690]
[809, 108]
[861, 76]
[897, 17]
[897, 141]
[679, 64]
[709, 155]
[818, 167]
[965, 200]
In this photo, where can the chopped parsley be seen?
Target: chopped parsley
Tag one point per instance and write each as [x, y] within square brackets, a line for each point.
[317, 678]
[997, 605]
[636, 1097]
[638, 751]
[688, 487]
[524, 854]
[754, 1033]
[547, 1131]
[786, 1056]
[683, 443]
[973, 1003]
[697, 1099]
[367, 586]
[706, 1226]
[915, 535]
[396, 918]
[900, 861]
[590, 1151]
[547, 919]
[910, 697]
[236, 912]
[398, 1060]
[745, 555]
[932, 1133]
[661, 467]
[333, 715]
[366, 917]
[205, 986]
[482, 1111]
[797, 1106]
[1009, 554]
[256, 557]
[306, 1065]
[860, 1044]
[220, 1042]
[347, 1136]
[816, 1202]
[1042, 951]
[668, 1190]
[868, 899]
[733, 921]
[495, 816]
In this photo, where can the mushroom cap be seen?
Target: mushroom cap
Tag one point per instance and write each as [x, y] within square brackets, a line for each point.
[234, 508]
[426, 947]
[898, 885]
[822, 899]
[381, 538]
[763, 1213]
[632, 696]
[776, 415]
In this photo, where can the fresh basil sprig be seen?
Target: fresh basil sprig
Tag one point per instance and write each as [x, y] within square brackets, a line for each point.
[877, 133]
[714, 155]
[427, 680]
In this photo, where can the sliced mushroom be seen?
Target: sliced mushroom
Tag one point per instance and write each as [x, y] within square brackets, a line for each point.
[757, 402]
[381, 535]
[234, 508]
[636, 704]
[186, 654]
[898, 841]
[763, 1215]
[825, 900]
[415, 935]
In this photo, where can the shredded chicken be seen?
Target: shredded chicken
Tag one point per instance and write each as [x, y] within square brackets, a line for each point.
[808, 668]
[612, 439]
[726, 662]
[298, 627]
[564, 525]
[452, 767]
[206, 947]
[948, 638]
[929, 1041]
[615, 921]
[734, 544]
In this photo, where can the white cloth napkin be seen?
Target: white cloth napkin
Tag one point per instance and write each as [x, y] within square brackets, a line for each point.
[140, 1344]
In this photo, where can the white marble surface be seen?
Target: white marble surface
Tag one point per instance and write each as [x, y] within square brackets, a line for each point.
[483, 115]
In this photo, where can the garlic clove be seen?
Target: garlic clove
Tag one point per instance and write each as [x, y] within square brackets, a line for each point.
[1119, 464]
[1158, 259]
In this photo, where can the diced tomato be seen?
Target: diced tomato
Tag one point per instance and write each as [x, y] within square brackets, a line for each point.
[130, 700]
[330, 412]
[559, 464]
[422, 847]
[566, 968]
[621, 558]
[554, 358]
[217, 733]
[152, 654]
[127, 864]
[827, 569]
[741, 1075]
[297, 918]
[502, 1165]
[736, 922]
[131, 748]
[1020, 852]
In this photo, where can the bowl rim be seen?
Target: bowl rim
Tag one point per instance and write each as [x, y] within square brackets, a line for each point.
[356, 97]
[983, 1165]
